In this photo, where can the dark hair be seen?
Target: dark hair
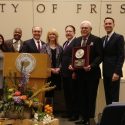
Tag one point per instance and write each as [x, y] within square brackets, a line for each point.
[2, 46]
[71, 27]
[109, 18]
[2, 38]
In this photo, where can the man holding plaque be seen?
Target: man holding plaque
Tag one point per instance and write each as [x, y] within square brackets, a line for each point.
[87, 55]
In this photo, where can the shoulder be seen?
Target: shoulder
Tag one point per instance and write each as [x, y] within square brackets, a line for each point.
[28, 41]
[8, 41]
[59, 46]
[95, 37]
[118, 35]
[78, 38]
[43, 42]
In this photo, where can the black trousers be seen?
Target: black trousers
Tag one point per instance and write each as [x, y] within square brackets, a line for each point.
[111, 90]
[68, 94]
[87, 96]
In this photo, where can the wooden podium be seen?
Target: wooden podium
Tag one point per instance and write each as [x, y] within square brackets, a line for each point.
[38, 76]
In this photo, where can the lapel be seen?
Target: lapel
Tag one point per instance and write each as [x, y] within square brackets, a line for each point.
[33, 45]
[110, 40]
[64, 45]
[69, 45]
[21, 44]
[89, 41]
[11, 47]
[79, 42]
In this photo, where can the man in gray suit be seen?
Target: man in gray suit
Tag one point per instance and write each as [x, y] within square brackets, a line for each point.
[14, 44]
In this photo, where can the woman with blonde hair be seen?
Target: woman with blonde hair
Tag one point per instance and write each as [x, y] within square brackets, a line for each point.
[55, 52]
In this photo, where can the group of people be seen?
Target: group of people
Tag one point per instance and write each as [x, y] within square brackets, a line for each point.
[80, 85]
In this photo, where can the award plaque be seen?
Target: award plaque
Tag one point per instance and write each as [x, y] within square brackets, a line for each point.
[80, 56]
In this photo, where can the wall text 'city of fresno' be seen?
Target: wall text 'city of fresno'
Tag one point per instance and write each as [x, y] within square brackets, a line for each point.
[53, 8]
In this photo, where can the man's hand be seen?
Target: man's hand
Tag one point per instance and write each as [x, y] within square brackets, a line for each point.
[87, 68]
[115, 77]
[70, 68]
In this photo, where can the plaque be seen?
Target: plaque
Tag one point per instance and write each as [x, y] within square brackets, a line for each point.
[80, 56]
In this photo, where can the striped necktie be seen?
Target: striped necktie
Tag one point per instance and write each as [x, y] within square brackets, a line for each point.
[84, 41]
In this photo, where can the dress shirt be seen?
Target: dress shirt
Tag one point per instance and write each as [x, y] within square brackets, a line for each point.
[36, 42]
[16, 44]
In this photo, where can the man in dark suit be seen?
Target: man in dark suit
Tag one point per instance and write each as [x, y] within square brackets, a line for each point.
[34, 45]
[113, 59]
[68, 84]
[88, 76]
[15, 44]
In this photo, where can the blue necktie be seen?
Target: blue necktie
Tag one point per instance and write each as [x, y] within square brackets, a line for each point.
[106, 41]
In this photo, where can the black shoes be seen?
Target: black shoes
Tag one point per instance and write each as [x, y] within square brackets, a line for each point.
[82, 122]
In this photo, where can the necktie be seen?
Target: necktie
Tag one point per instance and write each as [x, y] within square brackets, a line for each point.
[38, 47]
[106, 41]
[66, 45]
[83, 43]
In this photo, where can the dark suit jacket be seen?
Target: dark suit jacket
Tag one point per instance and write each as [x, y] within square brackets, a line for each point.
[95, 57]
[9, 46]
[29, 46]
[113, 55]
[67, 59]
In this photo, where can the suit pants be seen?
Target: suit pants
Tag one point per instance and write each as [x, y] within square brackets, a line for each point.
[111, 90]
[68, 94]
[87, 96]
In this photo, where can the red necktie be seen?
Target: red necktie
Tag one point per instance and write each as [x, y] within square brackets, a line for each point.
[38, 45]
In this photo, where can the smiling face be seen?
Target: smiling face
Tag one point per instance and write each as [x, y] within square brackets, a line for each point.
[17, 34]
[109, 25]
[37, 32]
[85, 28]
[69, 32]
[52, 36]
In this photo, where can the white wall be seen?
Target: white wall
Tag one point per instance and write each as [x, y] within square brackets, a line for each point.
[27, 13]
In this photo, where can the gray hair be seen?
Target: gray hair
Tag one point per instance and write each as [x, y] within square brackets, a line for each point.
[86, 22]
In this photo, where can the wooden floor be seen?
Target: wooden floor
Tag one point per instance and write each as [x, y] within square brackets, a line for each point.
[64, 121]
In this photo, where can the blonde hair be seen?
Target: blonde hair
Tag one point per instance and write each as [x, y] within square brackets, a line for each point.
[54, 32]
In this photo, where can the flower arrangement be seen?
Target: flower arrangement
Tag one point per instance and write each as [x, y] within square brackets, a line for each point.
[19, 98]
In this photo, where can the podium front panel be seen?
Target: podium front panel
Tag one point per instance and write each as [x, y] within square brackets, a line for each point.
[41, 69]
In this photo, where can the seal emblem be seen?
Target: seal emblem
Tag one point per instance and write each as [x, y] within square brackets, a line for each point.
[27, 61]
[79, 53]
